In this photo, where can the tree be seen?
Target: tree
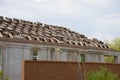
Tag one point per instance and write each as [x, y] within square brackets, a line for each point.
[115, 44]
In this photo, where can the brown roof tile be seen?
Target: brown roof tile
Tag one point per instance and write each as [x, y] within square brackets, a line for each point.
[13, 29]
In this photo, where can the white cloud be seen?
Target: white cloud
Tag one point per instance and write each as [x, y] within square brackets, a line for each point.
[97, 2]
[101, 35]
[65, 6]
[38, 1]
[108, 21]
[114, 21]
[114, 15]
[62, 7]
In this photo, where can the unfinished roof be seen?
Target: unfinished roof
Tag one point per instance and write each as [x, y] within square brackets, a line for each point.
[26, 31]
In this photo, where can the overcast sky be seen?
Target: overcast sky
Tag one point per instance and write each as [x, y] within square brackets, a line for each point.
[94, 18]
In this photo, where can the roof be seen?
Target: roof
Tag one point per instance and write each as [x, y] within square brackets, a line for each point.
[18, 30]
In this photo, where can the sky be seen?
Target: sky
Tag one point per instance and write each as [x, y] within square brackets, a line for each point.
[94, 18]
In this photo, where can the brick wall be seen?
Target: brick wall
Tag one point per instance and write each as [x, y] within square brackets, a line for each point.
[55, 70]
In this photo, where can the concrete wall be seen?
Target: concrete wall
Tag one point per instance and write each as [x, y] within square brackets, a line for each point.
[94, 58]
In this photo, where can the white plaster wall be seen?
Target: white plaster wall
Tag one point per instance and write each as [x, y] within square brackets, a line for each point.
[92, 58]
[42, 54]
[13, 57]
[63, 56]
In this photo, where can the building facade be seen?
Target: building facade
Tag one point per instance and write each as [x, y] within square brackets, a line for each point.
[24, 40]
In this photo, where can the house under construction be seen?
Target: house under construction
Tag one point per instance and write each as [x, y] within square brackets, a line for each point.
[24, 40]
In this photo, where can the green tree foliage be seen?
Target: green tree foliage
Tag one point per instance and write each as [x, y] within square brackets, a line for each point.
[1, 74]
[6, 79]
[115, 44]
[109, 59]
[102, 74]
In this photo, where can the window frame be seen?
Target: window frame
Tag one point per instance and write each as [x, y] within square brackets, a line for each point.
[0, 56]
[34, 55]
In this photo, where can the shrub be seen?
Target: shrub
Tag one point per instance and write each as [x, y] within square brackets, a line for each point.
[102, 74]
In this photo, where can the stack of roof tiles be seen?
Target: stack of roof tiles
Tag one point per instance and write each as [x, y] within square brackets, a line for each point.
[15, 29]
